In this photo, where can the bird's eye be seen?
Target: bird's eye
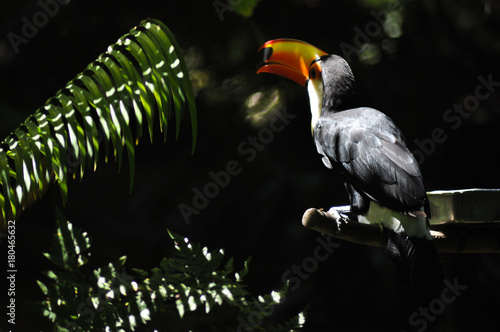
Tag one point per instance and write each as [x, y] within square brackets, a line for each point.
[312, 75]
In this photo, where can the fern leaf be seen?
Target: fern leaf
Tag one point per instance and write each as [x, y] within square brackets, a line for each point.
[188, 285]
[141, 74]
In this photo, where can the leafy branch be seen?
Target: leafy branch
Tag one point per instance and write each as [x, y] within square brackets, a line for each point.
[191, 283]
[143, 72]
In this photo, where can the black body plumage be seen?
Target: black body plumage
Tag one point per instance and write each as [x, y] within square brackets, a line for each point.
[369, 151]
[366, 147]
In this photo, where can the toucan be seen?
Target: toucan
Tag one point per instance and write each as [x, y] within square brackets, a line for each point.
[382, 177]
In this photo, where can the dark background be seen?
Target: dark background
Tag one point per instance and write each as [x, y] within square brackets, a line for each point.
[429, 61]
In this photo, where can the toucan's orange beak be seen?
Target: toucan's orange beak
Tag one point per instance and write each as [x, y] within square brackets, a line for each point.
[289, 58]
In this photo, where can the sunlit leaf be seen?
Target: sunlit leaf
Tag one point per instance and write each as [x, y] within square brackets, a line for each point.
[144, 73]
[186, 285]
[245, 7]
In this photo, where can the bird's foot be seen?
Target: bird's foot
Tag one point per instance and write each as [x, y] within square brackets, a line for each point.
[341, 214]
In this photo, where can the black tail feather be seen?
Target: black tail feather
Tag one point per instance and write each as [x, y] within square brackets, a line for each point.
[419, 271]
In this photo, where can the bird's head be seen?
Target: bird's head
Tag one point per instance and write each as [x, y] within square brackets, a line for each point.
[327, 78]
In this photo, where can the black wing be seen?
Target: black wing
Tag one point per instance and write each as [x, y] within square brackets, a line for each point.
[366, 147]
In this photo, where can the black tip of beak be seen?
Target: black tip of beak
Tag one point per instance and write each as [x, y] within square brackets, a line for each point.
[263, 55]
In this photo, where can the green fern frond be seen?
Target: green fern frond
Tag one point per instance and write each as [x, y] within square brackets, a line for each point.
[141, 74]
[191, 284]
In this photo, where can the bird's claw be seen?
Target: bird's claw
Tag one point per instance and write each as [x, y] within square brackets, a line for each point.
[339, 214]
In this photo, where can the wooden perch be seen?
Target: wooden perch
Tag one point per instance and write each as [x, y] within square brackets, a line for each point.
[448, 237]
